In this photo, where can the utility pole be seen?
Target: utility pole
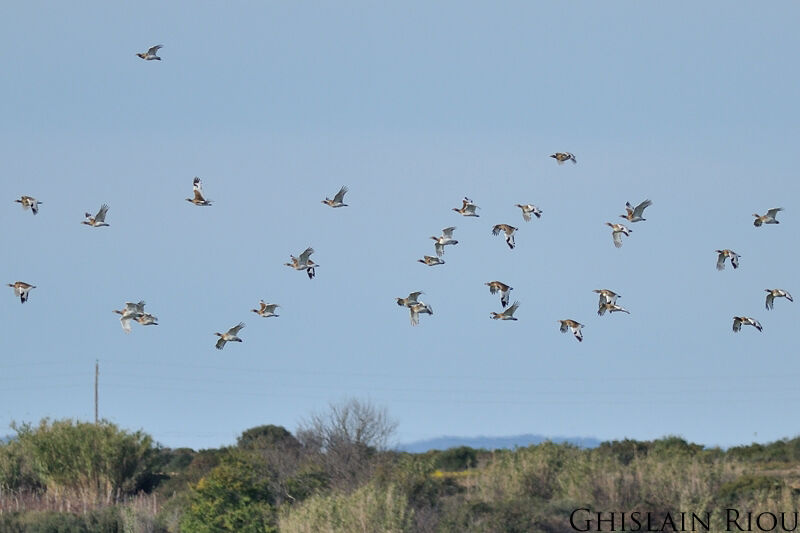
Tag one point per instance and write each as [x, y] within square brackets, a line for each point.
[96, 379]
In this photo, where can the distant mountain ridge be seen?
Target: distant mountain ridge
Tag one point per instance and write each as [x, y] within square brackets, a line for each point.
[492, 443]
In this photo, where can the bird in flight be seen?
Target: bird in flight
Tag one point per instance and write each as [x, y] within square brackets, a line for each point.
[445, 239]
[338, 199]
[410, 300]
[229, 336]
[723, 254]
[304, 263]
[634, 214]
[198, 198]
[416, 309]
[431, 260]
[266, 310]
[131, 311]
[611, 308]
[508, 230]
[617, 230]
[776, 293]
[29, 202]
[21, 289]
[564, 156]
[151, 53]
[768, 218]
[468, 208]
[99, 219]
[502, 288]
[573, 325]
[146, 319]
[528, 210]
[739, 321]
[508, 314]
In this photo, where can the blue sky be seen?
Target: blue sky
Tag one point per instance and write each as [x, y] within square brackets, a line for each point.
[276, 105]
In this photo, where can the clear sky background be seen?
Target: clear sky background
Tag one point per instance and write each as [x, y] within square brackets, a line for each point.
[275, 105]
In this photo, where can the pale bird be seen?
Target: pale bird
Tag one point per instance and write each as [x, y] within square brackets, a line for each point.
[502, 288]
[99, 219]
[29, 202]
[198, 198]
[445, 239]
[304, 263]
[468, 208]
[564, 156]
[146, 319]
[131, 311]
[431, 260]
[528, 210]
[266, 310]
[229, 336]
[21, 289]
[574, 326]
[724, 254]
[634, 214]
[508, 230]
[416, 309]
[768, 218]
[739, 321]
[776, 293]
[338, 199]
[617, 230]
[410, 300]
[508, 314]
[611, 308]
[151, 53]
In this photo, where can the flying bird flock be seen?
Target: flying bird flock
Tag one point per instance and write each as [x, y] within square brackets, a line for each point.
[607, 304]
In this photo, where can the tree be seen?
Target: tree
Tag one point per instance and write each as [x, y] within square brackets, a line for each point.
[267, 436]
[94, 462]
[235, 496]
[347, 437]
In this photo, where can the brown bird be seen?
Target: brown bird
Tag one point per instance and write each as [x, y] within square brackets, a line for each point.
[607, 295]
[416, 309]
[21, 289]
[776, 293]
[738, 321]
[528, 210]
[431, 260]
[29, 202]
[502, 288]
[611, 308]
[564, 156]
[146, 319]
[569, 324]
[768, 218]
[508, 230]
[266, 310]
[198, 198]
[467, 208]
